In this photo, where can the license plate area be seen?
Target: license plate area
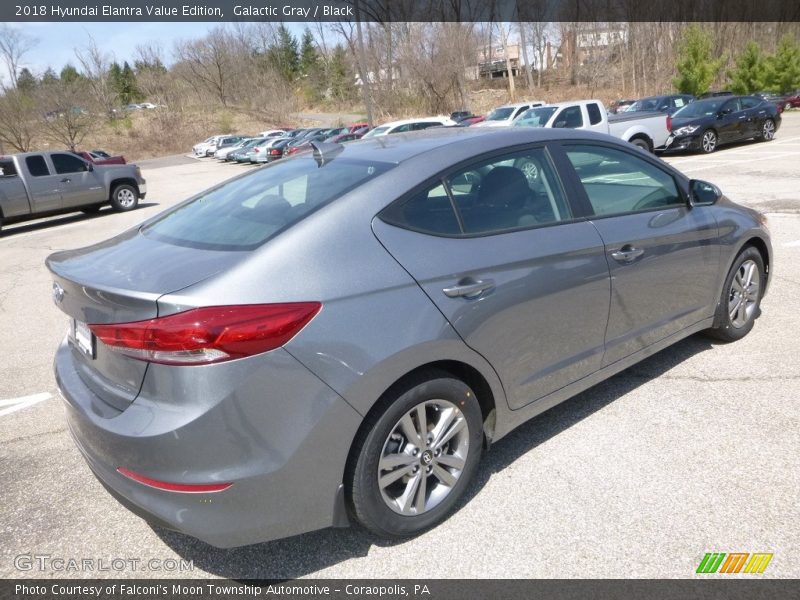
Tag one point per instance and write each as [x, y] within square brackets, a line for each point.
[83, 338]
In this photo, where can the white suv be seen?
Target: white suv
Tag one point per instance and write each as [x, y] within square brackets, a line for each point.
[502, 116]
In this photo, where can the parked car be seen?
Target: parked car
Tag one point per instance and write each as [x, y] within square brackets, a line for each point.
[133, 107]
[407, 125]
[460, 115]
[39, 184]
[270, 151]
[338, 337]
[362, 131]
[246, 150]
[357, 126]
[346, 137]
[470, 121]
[648, 131]
[792, 100]
[619, 106]
[715, 94]
[778, 100]
[224, 150]
[272, 133]
[201, 148]
[503, 116]
[664, 104]
[223, 142]
[94, 157]
[705, 125]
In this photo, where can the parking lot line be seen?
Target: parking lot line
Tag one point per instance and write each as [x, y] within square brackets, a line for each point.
[721, 155]
[15, 404]
[716, 165]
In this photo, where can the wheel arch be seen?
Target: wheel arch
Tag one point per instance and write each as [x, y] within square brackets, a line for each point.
[122, 181]
[751, 241]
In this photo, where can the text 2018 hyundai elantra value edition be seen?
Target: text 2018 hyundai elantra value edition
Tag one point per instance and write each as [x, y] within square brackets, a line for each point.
[337, 337]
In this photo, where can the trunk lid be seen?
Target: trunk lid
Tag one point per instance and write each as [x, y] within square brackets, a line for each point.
[119, 281]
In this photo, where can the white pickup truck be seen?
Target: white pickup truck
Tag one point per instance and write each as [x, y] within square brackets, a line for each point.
[647, 130]
[38, 184]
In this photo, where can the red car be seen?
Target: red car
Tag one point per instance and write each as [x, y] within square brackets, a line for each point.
[792, 100]
[355, 126]
[99, 157]
[470, 121]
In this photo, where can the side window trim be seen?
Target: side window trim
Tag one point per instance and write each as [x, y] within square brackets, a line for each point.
[582, 198]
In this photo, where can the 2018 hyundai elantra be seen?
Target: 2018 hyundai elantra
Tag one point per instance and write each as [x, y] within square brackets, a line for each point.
[338, 336]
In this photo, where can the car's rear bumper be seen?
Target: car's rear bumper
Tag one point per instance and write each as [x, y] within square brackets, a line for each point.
[284, 451]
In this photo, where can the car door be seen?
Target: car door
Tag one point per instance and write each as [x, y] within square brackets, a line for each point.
[79, 184]
[662, 253]
[755, 112]
[44, 185]
[570, 117]
[730, 123]
[522, 281]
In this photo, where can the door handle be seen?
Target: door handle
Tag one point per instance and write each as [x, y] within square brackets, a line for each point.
[66, 180]
[469, 288]
[627, 254]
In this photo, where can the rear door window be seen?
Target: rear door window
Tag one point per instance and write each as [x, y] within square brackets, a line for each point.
[67, 163]
[571, 118]
[595, 116]
[37, 167]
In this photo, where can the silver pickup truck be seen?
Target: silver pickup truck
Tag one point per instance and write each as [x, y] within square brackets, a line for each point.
[38, 184]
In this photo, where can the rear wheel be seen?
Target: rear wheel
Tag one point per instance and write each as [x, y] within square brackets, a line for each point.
[740, 303]
[124, 197]
[708, 143]
[415, 456]
[767, 131]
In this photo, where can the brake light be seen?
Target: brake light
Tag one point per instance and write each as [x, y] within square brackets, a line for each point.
[275, 151]
[669, 122]
[208, 335]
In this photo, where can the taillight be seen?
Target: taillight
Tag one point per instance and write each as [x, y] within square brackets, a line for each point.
[669, 122]
[275, 151]
[208, 335]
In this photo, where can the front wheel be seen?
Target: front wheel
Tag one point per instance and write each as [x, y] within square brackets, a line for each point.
[641, 144]
[709, 141]
[415, 456]
[124, 197]
[740, 303]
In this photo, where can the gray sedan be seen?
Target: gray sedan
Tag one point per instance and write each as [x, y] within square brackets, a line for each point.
[337, 337]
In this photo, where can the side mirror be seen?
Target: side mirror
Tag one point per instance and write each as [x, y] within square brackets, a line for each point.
[703, 193]
[560, 124]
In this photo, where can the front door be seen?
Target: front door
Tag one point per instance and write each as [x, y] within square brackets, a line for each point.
[661, 253]
[79, 185]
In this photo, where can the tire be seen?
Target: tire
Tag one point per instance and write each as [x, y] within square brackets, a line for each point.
[388, 445]
[641, 144]
[91, 210]
[529, 168]
[124, 197]
[709, 141]
[767, 133]
[748, 266]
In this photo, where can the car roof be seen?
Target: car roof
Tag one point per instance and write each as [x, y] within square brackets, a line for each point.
[407, 121]
[568, 103]
[400, 147]
[526, 103]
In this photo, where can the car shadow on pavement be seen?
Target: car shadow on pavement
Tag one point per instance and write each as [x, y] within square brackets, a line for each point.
[308, 553]
[9, 231]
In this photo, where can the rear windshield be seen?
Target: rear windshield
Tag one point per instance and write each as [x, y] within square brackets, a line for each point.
[500, 114]
[244, 213]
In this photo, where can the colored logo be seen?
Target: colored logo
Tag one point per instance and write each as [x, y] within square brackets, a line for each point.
[737, 562]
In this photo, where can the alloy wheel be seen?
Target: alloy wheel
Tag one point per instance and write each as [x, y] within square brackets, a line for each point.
[423, 457]
[125, 198]
[768, 130]
[743, 295]
[709, 141]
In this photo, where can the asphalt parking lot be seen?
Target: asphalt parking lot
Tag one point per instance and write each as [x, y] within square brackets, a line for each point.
[694, 450]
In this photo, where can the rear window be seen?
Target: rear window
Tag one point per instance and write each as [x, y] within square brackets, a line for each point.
[244, 213]
[36, 166]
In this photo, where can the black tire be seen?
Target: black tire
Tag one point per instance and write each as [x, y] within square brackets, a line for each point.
[124, 197]
[709, 141]
[641, 144]
[726, 328]
[767, 133]
[91, 210]
[365, 495]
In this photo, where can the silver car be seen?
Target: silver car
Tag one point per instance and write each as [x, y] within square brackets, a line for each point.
[337, 337]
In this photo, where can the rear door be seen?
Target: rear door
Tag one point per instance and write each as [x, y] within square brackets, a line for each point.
[79, 185]
[523, 282]
[731, 123]
[44, 185]
[663, 255]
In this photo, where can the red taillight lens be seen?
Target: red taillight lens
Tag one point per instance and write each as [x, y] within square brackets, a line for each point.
[208, 335]
[669, 122]
[275, 151]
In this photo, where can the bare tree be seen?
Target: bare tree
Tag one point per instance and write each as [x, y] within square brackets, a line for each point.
[18, 122]
[210, 63]
[64, 120]
[14, 44]
[95, 66]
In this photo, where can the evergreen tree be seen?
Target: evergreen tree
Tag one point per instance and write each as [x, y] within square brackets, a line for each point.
[26, 82]
[340, 82]
[748, 76]
[69, 74]
[783, 69]
[697, 70]
[49, 77]
[309, 58]
[284, 55]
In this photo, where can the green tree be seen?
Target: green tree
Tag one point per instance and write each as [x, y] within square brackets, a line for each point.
[284, 55]
[49, 77]
[697, 69]
[340, 79]
[782, 71]
[748, 76]
[26, 82]
[309, 57]
[69, 74]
